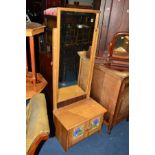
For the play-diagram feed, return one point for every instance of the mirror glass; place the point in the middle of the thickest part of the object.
(121, 46)
(76, 34)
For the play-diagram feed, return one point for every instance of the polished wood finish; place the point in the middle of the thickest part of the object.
(37, 141)
(70, 117)
(83, 70)
(75, 122)
(112, 44)
(40, 85)
(56, 51)
(33, 28)
(34, 82)
(111, 89)
(69, 92)
(114, 18)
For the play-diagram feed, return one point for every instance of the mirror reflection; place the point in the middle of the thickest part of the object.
(121, 45)
(76, 35)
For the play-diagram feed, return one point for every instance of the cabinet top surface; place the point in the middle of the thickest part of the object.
(78, 113)
(120, 74)
(33, 28)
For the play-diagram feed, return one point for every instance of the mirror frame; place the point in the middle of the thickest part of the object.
(112, 45)
(56, 52)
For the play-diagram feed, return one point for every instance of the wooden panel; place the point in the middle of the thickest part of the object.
(75, 114)
(108, 96)
(73, 139)
(96, 4)
(61, 133)
(112, 92)
(55, 55)
(115, 18)
(119, 20)
(98, 127)
(69, 92)
(73, 121)
(83, 70)
(97, 82)
(104, 29)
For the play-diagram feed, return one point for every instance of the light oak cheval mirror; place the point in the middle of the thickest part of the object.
(77, 30)
(76, 33)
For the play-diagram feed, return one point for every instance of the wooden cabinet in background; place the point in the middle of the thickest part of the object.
(110, 88)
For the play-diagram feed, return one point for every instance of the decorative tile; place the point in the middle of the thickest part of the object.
(95, 123)
(78, 132)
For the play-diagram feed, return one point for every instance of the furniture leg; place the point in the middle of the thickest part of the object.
(31, 39)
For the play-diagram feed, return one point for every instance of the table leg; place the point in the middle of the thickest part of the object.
(32, 52)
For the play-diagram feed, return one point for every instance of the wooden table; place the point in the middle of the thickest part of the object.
(35, 82)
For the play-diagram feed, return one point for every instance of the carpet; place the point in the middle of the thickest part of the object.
(117, 143)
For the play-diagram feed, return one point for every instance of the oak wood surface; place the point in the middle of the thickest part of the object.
(112, 93)
(33, 28)
(69, 92)
(79, 112)
(56, 52)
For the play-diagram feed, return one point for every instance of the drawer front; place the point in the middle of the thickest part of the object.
(95, 124)
(78, 133)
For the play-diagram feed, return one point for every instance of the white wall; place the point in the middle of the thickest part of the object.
(82, 2)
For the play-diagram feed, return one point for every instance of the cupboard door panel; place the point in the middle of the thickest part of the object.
(78, 133)
(95, 124)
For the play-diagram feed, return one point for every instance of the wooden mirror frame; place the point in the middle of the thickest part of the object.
(112, 45)
(56, 55)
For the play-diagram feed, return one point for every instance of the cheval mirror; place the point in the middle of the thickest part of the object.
(76, 34)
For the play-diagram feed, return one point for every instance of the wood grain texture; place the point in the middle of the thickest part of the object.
(33, 28)
(112, 93)
(74, 114)
(37, 141)
(119, 20)
(56, 54)
(83, 70)
(114, 18)
(79, 114)
(69, 92)
(104, 24)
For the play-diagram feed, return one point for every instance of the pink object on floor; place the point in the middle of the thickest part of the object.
(51, 12)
